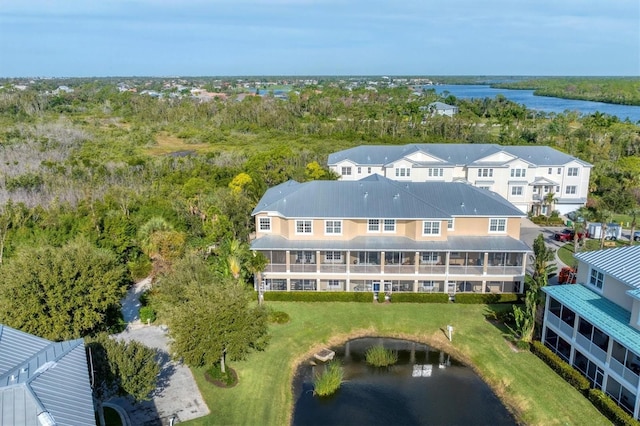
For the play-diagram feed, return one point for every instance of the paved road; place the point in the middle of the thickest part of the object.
(529, 231)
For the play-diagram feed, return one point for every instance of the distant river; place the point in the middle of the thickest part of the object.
(540, 103)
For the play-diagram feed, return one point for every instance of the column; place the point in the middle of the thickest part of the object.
(417, 263)
(381, 263)
(287, 260)
(485, 263)
(317, 261)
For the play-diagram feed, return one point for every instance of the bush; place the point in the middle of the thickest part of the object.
(486, 298)
(378, 356)
(420, 298)
(572, 376)
(147, 314)
(328, 382)
(140, 268)
(610, 409)
(215, 375)
(278, 317)
(315, 296)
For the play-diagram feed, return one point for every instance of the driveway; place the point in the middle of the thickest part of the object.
(177, 395)
(529, 231)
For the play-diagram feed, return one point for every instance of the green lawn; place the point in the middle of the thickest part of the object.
(263, 396)
(565, 253)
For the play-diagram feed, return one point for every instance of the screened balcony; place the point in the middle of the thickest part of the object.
(432, 262)
(463, 263)
(365, 262)
(332, 285)
(333, 261)
(626, 363)
(303, 285)
(505, 263)
(277, 261)
(275, 285)
(303, 261)
(399, 262)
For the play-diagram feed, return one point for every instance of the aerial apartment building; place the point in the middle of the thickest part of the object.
(595, 325)
(377, 235)
(523, 175)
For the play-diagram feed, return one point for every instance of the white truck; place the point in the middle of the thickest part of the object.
(613, 231)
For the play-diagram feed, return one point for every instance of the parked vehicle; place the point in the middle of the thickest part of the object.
(566, 235)
(573, 216)
(567, 275)
(613, 231)
(636, 236)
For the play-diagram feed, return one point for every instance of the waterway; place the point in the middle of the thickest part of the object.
(425, 387)
(540, 103)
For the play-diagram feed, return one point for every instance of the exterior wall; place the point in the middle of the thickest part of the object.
(635, 315)
(351, 228)
(612, 289)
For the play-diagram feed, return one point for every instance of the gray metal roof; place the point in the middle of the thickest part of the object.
(622, 263)
(460, 154)
(599, 311)
(379, 197)
(367, 243)
(39, 376)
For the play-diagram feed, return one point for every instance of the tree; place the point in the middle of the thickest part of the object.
(62, 293)
(549, 200)
(210, 318)
(542, 270)
(122, 368)
(603, 216)
(634, 212)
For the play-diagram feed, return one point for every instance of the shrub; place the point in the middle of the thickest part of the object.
(315, 296)
(378, 356)
(140, 268)
(420, 298)
(486, 298)
(147, 314)
(216, 376)
(572, 376)
(329, 381)
(610, 409)
(278, 317)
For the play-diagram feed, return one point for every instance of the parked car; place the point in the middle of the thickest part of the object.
(566, 235)
(613, 231)
(636, 236)
(575, 217)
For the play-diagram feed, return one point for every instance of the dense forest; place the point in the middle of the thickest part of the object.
(148, 179)
(613, 90)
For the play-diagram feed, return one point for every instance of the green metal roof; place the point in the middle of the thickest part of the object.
(599, 311)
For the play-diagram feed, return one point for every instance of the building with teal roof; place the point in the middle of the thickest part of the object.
(595, 325)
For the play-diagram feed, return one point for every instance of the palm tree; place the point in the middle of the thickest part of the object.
(604, 216)
(549, 200)
(634, 212)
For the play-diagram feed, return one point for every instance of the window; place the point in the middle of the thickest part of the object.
(485, 172)
(373, 225)
(264, 224)
(550, 171)
(436, 172)
(596, 279)
(303, 227)
(450, 224)
(333, 256)
(572, 171)
(333, 283)
(359, 170)
(559, 170)
(518, 172)
(571, 189)
(346, 171)
(497, 225)
(389, 225)
(368, 169)
(430, 227)
(333, 227)
(305, 257)
(516, 190)
(402, 172)
(488, 188)
(429, 257)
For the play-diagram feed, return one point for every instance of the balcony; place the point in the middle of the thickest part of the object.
(591, 347)
(624, 372)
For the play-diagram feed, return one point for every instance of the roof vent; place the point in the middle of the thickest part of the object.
(12, 378)
(365, 194)
(395, 197)
(474, 210)
(44, 367)
(462, 204)
(24, 369)
(46, 419)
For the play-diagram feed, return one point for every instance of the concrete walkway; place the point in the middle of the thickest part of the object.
(177, 395)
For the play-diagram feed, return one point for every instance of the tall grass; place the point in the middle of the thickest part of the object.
(329, 381)
(378, 356)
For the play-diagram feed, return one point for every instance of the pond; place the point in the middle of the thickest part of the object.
(425, 387)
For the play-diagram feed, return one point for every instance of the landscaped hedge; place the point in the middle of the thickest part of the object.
(572, 376)
(610, 409)
(419, 298)
(317, 296)
(486, 298)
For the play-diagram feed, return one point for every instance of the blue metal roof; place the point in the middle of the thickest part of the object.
(461, 154)
(379, 197)
(599, 311)
(621, 263)
(39, 376)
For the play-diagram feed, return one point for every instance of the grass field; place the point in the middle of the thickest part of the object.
(534, 393)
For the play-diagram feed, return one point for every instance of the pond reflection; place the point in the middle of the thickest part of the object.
(425, 387)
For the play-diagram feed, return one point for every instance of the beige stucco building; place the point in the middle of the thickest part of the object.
(381, 235)
(595, 325)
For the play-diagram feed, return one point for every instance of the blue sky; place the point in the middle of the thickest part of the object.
(58, 38)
